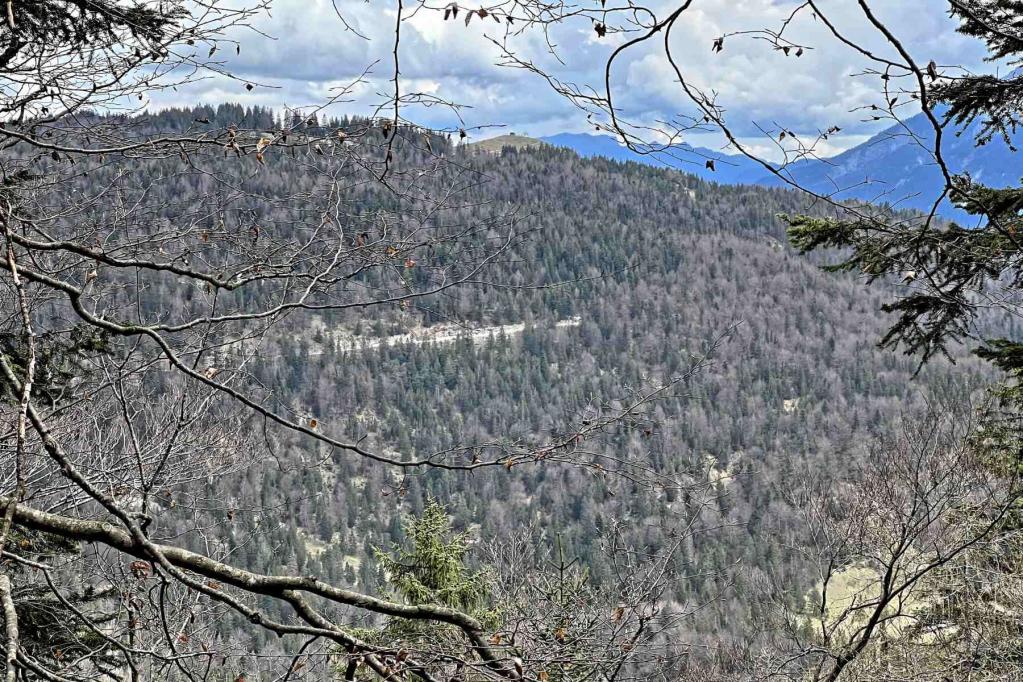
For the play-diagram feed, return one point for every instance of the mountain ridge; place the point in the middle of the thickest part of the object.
(891, 167)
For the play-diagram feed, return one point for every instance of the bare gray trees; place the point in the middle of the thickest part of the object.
(929, 502)
(132, 339)
(916, 531)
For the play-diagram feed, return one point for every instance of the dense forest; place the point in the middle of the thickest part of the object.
(650, 267)
(339, 392)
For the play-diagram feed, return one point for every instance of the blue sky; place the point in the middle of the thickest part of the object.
(306, 54)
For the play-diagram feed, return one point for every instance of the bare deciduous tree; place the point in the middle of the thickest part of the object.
(134, 323)
(929, 501)
(892, 546)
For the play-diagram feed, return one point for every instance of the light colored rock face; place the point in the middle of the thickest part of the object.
(441, 333)
(790, 405)
(723, 476)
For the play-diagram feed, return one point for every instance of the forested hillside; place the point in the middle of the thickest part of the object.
(656, 266)
(337, 388)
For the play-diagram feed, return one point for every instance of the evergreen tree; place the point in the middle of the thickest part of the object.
(952, 270)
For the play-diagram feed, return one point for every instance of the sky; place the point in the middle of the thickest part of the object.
(300, 53)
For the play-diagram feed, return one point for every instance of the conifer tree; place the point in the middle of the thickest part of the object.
(956, 273)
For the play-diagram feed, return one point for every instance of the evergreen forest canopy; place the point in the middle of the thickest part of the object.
(301, 397)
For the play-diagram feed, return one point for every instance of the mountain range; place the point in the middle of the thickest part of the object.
(893, 167)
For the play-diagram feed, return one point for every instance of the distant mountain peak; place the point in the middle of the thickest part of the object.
(893, 166)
